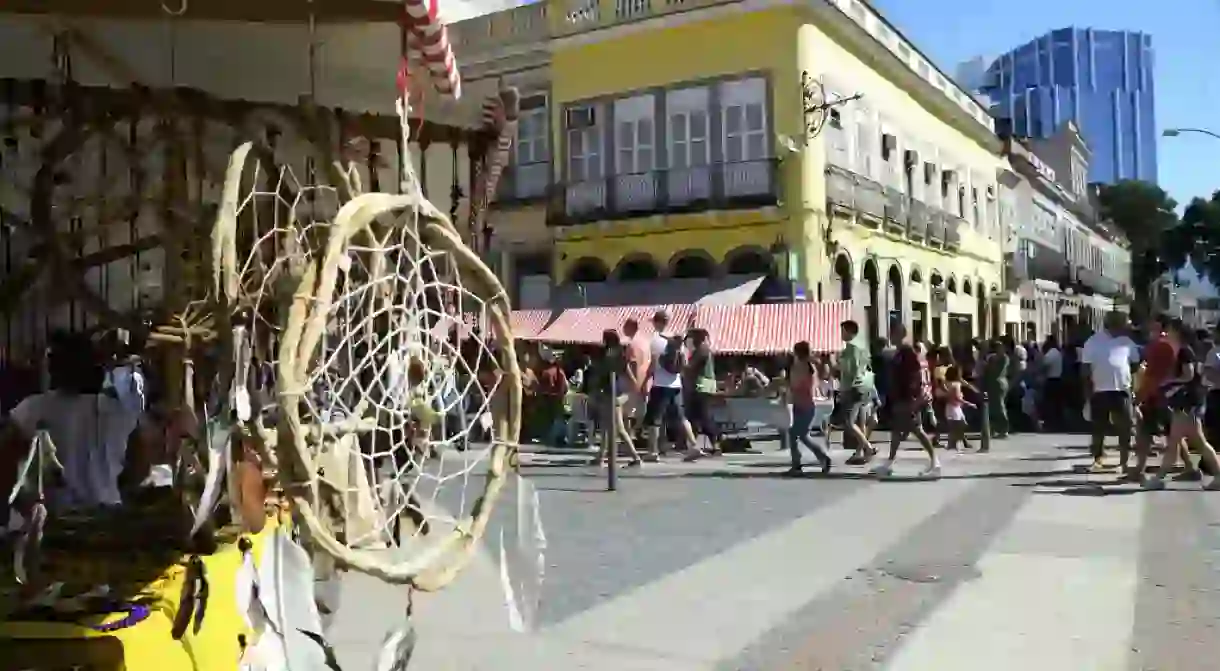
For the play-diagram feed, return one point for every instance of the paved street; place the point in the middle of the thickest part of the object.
(1012, 560)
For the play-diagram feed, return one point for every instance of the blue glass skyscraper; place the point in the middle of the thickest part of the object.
(1101, 79)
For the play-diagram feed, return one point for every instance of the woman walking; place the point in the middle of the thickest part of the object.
(955, 405)
(607, 383)
(802, 380)
(699, 388)
(1183, 392)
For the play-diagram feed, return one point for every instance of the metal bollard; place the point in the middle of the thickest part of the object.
(610, 435)
(985, 425)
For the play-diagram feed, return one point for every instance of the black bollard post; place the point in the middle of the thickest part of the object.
(609, 437)
(985, 426)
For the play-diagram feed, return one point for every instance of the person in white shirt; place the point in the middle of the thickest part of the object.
(665, 395)
(1107, 360)
(89, 425)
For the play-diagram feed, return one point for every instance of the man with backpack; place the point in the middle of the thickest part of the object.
(665, 395)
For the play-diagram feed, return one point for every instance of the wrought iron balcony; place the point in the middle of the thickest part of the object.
(849, 192)
(524, 183)
(895, 211)
(917, 228)
(735, 185)
(936, 226)
(953, 231)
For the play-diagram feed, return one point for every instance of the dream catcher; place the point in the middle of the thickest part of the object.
(356, 379)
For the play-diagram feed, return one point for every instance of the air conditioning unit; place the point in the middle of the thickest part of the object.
(577, 118)
(910, 158)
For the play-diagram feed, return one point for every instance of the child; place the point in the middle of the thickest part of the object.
(955, 404)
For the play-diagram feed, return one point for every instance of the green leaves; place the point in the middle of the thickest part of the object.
(1197, 239)
(1146, 214)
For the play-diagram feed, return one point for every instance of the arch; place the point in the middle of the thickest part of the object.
(894, 296)
(692, 263)
(843, 270)
(967, 287)
(872, 280)
(588, 269)
(936, 278)
(916, 274)
(637, 267)
(951, 285)
(749, 260)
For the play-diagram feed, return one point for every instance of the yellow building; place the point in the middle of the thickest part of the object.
(669, 142)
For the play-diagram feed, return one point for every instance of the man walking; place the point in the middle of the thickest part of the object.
(1107, 360)
(665, 395)
(910, 391)
(855, 393)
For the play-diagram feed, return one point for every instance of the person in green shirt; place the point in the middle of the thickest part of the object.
(995, 383)
(857, 393)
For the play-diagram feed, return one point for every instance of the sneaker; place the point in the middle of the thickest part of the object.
(793, 472)
(884, 470)
(1130, 476)
(826, 464)
(1188, 476)
(692, 456)
(1098, 466)
(857, 459)
(635, 463)
(931, 472)
(1155, 483)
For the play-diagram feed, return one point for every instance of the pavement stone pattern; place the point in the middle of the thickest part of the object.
(1015, 559)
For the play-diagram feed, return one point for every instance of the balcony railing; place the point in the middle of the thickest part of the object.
(917, 227)
(953, 231)
(719, 186)
(936, 227)
(895, 211)
(524, 183)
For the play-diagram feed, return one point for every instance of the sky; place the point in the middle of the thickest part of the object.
(1184, 39)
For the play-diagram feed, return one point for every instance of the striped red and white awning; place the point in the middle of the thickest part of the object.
(527, 324)
(773, 327)
(586, 325)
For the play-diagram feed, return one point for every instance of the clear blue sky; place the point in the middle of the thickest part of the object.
(1185, 37)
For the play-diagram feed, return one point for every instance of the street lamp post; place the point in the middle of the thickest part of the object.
(1175, 132)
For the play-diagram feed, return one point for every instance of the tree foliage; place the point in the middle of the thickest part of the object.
(1198, 237)
(1146, 214)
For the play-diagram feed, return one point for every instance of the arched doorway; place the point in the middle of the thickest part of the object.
(588, 269)
(986, 330)
(920, 330)
(692, 264)
(894, 297)
(936, 293)
(749, 261)
(871, 314)
(844, 275)
(639, 268)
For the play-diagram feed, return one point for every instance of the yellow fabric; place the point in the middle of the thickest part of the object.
(149, 645)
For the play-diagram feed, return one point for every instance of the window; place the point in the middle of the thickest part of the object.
(532, 144)
(634, 135)
(743, 109)
(634, 141)
(689, 128)
(585, 156)
(838, 144)
(866, 143)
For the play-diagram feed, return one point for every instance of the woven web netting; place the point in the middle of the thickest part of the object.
(377, 346)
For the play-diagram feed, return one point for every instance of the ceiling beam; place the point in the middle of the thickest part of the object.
(244, 11)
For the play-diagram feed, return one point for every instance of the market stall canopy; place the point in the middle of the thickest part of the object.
(526, 324)
(773, 327)
(586, 325)
(728, 290)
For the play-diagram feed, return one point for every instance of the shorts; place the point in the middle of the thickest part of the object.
(664, 403)
(858, 405)
(1155, 417)
(906, 416)
(1111, 411)
(634, 405)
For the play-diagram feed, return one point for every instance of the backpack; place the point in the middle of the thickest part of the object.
(671, 359)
